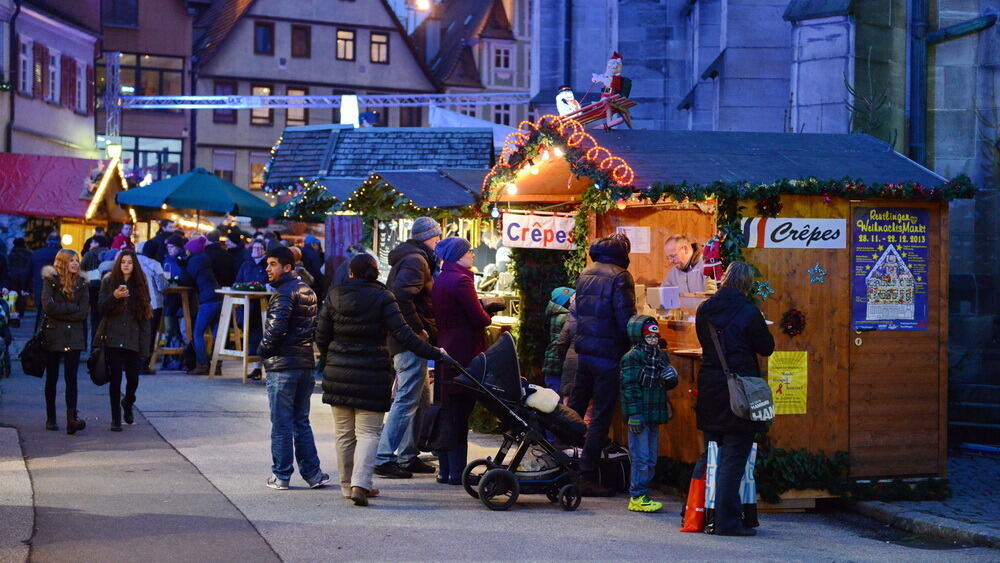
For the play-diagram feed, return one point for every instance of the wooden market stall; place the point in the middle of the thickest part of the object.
(842, 228)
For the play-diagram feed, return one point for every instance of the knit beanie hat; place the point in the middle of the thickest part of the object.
(196, 245)
(650, 327)
(561, 295)
(311, 240)
(452, 249)
(424, 228)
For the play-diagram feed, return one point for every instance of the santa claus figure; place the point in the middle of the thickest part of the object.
(612, 82)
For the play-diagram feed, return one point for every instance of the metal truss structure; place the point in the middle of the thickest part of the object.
(368, 101)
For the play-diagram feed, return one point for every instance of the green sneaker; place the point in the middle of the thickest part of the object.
(643, 503)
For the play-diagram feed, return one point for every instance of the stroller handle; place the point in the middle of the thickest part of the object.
(461, 369)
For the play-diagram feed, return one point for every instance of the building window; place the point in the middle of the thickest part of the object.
(145, 75)
(81, 87)
(261, 116)
(469, 110)
(122, 13)
(501, 114)
(223, 164)
(53, 78)
(224, 88)
(157, 158)
(380, 48)
(345, 44)
(298, 115)
(501, 58)
(410, 116)
(258, 160)
(263, 38)
(25, 78)
(301, 41)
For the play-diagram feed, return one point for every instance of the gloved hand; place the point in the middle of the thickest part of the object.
(635, 425)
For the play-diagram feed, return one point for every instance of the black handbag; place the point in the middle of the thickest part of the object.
(431, 421)
(97, 363)
(33, 356)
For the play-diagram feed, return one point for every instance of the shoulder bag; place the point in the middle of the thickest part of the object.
(749, 397)
(97, 363)
(33, 355)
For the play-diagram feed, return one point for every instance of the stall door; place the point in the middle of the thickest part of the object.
(898, 377)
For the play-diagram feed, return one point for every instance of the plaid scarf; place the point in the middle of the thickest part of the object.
(655, 372)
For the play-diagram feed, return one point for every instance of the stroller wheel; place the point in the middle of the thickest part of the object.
(569, 497)
(473, 473)
(498, 489)
(552, 495)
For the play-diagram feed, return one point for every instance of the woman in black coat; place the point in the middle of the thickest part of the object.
(743, 335)
(125, 310)
(358, 374)
(65, 303)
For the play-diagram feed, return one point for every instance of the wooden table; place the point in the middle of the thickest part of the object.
(231, 300)
(159, 349)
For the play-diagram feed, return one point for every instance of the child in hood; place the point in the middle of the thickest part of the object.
(557, 312)
(646, 377)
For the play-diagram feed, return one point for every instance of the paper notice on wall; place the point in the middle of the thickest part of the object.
(638, 236)
(788, 376)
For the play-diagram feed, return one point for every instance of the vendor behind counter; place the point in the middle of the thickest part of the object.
(688, 268)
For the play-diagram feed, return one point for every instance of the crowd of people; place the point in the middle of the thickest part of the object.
(373, 337)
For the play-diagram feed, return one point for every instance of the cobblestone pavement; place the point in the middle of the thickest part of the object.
(975, 485)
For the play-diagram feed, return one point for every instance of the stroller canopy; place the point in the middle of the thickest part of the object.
(498, 369)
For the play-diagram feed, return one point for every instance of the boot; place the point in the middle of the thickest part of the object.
(50, 423)
(200, 369)
(73, 422)
(127, 412)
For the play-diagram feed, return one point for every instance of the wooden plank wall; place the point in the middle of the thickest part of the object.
(824, 427)
(898, 388)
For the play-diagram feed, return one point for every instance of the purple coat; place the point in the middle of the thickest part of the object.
(461, 319)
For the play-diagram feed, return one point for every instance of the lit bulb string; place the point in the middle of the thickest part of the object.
(573, 135)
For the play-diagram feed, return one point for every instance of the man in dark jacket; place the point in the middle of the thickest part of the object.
(287, 352)
(312, 260)
(222, 261)
(199, 275)
(411, 280)
(44, 256)
(156, 247)
(100, 236)
(605, 301)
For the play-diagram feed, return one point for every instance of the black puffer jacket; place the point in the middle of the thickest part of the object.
(290, 326)
(744, 336)
(605, 301)
(64, 329)
(119, 327)
(411, 280)
(351, 335)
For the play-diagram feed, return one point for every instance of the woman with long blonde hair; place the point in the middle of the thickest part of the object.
(65, 305)
(124, 303)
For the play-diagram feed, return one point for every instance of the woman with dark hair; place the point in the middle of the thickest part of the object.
(743, 335)
(65, 299)
(461, 321)
(357, 377)
(125, 308)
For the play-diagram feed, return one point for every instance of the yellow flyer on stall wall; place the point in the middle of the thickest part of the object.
(788, 376)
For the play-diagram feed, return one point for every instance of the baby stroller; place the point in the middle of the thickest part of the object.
(535, 466)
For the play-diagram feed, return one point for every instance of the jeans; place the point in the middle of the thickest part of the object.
(454, 452)
(597, 379)
(208, 316)
(120, 360)
(71, 361)
(288, 394)
(400, 433)
(357, 433)
(734, 448)
(644, 448)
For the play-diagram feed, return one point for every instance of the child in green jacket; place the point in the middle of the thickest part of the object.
(646, 377)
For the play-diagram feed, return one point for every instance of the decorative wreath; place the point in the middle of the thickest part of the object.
(793, 322)
(769, 206)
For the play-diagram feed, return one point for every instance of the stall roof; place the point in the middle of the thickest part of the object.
(340, 151)
(45, 186)
(433, 188)
(705, 157)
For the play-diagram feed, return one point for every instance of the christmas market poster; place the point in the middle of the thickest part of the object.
(890, 269)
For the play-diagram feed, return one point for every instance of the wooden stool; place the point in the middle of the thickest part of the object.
(160, 349)
(227, 320)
